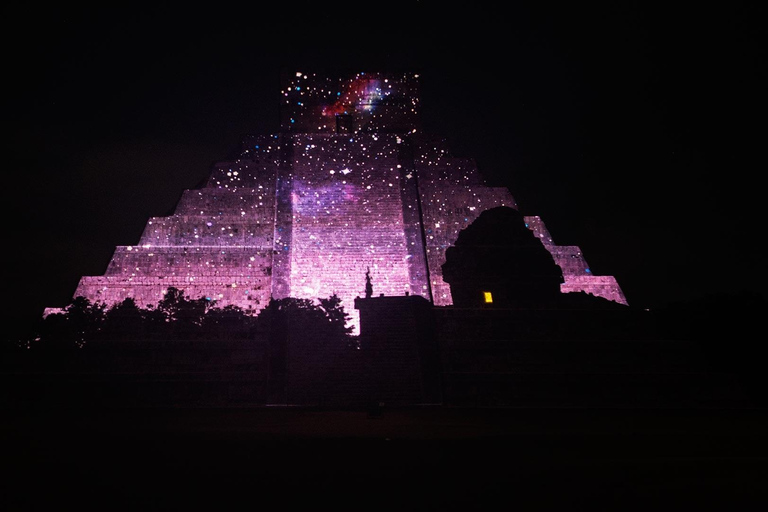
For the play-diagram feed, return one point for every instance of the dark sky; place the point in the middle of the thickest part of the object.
(634, 131)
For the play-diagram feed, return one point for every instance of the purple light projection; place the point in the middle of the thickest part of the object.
(349, 184)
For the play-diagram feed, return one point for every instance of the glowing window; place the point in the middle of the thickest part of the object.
(488, 297)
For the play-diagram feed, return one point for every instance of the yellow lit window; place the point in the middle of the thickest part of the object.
(487, 297)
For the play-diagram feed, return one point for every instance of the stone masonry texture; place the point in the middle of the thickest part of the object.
(349, 185)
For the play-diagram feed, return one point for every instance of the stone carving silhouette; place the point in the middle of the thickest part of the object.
(368, 284)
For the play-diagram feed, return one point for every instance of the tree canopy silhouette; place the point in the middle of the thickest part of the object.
(178, 317)
(497, 253)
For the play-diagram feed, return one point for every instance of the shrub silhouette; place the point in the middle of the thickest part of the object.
(177, 317)
(497, 253)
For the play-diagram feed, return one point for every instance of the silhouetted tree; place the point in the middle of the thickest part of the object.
(54, 333)
(155, 323)
(301, 314)
(497, 253)
(124, 321)
(227, 323)
(77, 325)
(337, 317)
(304, 319)
(305, 341)
(183, 316)
(85, 319)
(177, 317)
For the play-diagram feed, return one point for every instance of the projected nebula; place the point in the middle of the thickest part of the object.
(363, 102)
(360, 94)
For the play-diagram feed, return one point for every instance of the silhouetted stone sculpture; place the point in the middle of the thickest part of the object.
(498, 261)
(368, 284)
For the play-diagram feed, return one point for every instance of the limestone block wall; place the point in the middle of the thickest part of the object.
(306, 215)
(347, 217)
(600, 286)
(217, 244)
(247, 293)
(576, 272)
(189, 262)
(452, 197)
(350, 184)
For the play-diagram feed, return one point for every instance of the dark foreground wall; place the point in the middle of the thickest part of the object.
(541, 357)
(409, 353)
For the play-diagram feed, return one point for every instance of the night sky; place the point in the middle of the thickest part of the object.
(635, 132)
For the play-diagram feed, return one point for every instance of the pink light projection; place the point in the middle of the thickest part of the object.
(307, 212)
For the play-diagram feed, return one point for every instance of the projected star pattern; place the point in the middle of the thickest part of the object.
(350, 184)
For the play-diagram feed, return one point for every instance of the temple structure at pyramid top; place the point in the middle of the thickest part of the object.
(349, 185)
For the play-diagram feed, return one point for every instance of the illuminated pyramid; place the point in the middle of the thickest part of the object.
(349, 184)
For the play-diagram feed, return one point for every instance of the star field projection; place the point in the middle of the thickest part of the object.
(630, 131)
(349, 186)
